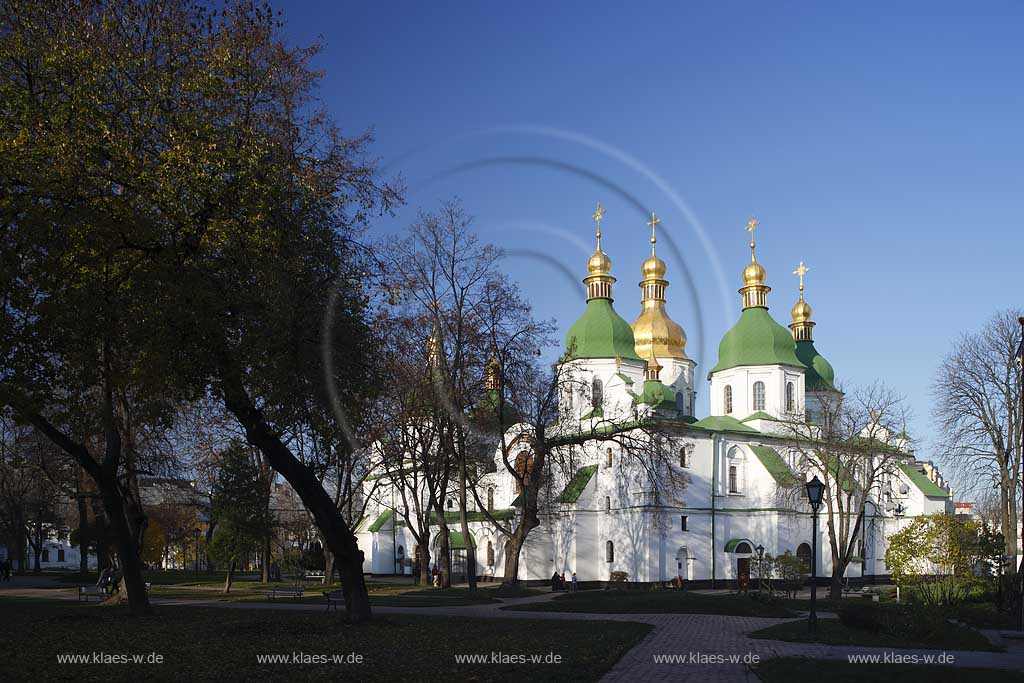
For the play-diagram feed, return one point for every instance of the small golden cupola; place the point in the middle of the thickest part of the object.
(599, 278)
(654, 329)
(754, 289)
(801, 324)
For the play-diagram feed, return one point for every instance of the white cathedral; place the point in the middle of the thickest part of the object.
(736, 462)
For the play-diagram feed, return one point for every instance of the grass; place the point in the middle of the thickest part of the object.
(391, 595)
(832, 632)
(657, 602)
(217, 644)
(789, 669)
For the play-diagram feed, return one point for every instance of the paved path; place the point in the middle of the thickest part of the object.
(696, 640)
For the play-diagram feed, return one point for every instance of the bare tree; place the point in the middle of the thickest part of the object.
(855, 449)
(977, 405)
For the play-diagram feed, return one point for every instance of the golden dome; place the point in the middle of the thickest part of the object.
(653, 268)
(654, 331)
(754, 274)
(599, 263)
(801, 311)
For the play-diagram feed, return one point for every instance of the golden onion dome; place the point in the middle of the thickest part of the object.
(801, 311)
(653, 268)
(599, 263)
(654, 331)
(754, 274)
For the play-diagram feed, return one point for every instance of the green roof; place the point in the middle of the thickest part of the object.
(656, 393)
(775, 465)
(922, 482)
(457, 540)
(818, 373)
(579, 481)
(600, 333)
(384, 518)
(452, 516)
(723, 423)
(730, 546)
(759, 415)
(625, 378)
(756, 339)
(592, 413)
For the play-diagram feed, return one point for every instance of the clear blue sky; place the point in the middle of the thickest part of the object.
(882, 145)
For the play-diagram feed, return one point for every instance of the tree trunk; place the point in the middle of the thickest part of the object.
(265, 561)
(513, 549)
(336, 533)
(464, 519)
(125, 543)
(37, 547)
(230, 577)
(328, 566)
(444, 552)
(210, 565)
(83, 535)
(423, 555)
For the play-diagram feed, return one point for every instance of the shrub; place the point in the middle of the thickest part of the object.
(619, 579)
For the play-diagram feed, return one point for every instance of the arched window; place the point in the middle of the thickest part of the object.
(596, 393)
(790, 397)
(735, 470)
(683, 460)
(490, 498)
(400, 553)
(607, 503)
(743, 548)
(758, 396)
(608, 461)
(449, 503)
(609, 552)
(803, 551)
(727, 395)
(490, 554)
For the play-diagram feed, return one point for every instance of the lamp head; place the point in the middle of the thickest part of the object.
(815, 492)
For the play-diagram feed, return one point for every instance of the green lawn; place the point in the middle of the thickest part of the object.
(657, 601)
(832, 632)
(392, 595)
(790, 669)
(218, 644)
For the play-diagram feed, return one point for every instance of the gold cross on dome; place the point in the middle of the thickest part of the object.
(653, 222)
(751, 227)
(800, 272)
(598, 215)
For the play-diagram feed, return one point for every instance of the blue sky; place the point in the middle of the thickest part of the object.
(881, 145)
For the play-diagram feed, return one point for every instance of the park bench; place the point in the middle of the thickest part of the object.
(314, 576)
(334, 598)
(287, 591)
(86, 592)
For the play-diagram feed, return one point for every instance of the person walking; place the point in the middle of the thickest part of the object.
(574, 585)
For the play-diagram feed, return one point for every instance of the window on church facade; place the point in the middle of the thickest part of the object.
(734, 486)
(790, 397)
(490, 498)
(596, 393)
(46, 554)
(682, 522)
(450, 504)
(60, 554)
(609, 552)
(683, 460)
(803, 551)
(728, 399)
(608, 458)
(758, 396)
(607, 503)
(490, 554)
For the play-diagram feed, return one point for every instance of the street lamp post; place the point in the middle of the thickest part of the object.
(815, 491)
(195, 534)
(760, 565)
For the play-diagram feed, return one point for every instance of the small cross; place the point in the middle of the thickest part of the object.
(597, 218)
(751, 227)
(800, 271)
(653, 222)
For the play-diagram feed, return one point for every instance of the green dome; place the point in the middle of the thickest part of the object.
(601, 333)
(818, 373)
(756, 340)
(656, 393)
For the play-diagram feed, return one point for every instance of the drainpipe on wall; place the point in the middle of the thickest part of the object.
(714, 482)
